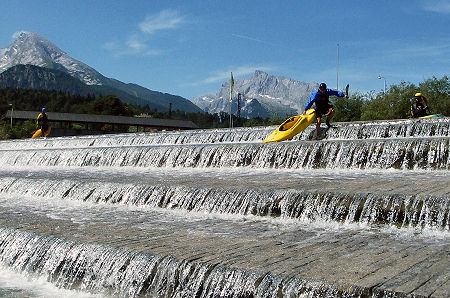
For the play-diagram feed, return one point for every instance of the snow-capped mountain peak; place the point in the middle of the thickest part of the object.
(31, 48)
(263, 95)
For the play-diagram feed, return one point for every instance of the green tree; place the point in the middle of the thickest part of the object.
(437, 91)
(349, 109)
(18, 131)
(395, 104)
(109, 105)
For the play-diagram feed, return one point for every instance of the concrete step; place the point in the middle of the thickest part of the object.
(340, 258)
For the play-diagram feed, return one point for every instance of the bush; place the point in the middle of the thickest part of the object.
(18, 131)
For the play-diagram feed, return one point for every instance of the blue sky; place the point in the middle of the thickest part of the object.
(189, 48)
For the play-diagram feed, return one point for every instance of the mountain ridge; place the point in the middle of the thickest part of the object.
(31, 48)
(35, 77)
(263, 95)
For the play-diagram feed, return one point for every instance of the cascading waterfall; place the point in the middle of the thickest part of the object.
(345, 131)
(119, 272)
(401, 211)
(264, 220)
(430, 153)
(93, 267)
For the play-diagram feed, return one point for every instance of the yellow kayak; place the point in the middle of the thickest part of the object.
(292, 126)
(38, 133)
(434, 116)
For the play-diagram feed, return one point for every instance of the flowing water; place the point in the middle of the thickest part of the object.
(364, 212)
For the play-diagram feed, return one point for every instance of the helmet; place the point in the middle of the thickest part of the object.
(418, 94)
(43, 110)
(323, 86)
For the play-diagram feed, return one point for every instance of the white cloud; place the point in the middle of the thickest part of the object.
(248, 38)
(442, 6)
(421, 51)
(131, 47)
(164, 20)
(138, 42)
(224, 75)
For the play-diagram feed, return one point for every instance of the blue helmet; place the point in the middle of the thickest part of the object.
(43, 110)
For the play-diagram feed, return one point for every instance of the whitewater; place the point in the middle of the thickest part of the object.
(216, 213)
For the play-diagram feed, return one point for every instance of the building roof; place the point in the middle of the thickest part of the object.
(105, 119)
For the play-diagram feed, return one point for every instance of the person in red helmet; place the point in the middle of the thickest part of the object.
(323, 107)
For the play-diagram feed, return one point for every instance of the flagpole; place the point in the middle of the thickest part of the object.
(231, 98)
(337, 69)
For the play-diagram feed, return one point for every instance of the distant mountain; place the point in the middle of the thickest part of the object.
(249, 107)
(263, 95)
(34, 77)
(31, 48)
(40, 78)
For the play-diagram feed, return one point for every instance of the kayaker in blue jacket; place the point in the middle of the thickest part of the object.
(323, 106)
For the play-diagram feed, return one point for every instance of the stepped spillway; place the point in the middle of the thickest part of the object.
(365, 212)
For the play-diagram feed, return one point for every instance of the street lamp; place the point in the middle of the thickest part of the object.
(380, 77)
(12, 110)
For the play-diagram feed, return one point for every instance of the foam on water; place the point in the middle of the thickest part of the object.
(85, 213)
(127, 214)
(18, 284)
(353, 130)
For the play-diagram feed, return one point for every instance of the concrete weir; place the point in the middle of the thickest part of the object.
(365, 212)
